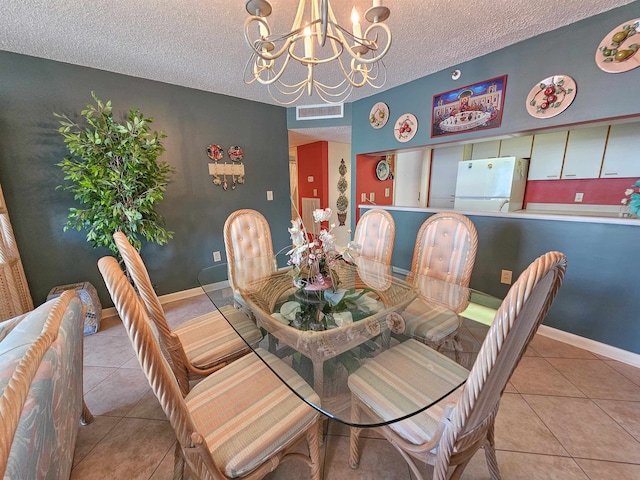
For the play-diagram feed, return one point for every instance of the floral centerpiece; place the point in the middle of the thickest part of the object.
(319, 304)
(631, 200)
(311, 257)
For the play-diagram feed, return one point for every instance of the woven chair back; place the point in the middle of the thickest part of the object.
(515, 324)
(156, 368)
(445, 248)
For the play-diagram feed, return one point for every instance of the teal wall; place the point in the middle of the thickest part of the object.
(31, 89)
(569, 51)
(599, 297)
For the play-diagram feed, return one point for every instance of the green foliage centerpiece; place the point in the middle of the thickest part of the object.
(113, 171)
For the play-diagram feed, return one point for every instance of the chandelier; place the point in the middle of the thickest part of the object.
(316, 39)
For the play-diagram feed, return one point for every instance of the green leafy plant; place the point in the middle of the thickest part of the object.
(113, 171)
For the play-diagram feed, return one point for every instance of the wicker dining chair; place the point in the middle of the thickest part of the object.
(445, 249)
(247, 236)
(200, 345)
(239, 422)
(449, 433)
(375, 235)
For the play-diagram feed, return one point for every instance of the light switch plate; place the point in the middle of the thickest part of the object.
(578, 197)
(269, 195)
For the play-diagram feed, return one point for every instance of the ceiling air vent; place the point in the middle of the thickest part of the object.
(319, 112)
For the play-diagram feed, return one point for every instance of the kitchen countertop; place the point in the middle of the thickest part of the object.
(560, 216)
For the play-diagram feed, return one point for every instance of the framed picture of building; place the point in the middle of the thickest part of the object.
(474, 107)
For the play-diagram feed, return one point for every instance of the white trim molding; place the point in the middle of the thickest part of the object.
(593, 346)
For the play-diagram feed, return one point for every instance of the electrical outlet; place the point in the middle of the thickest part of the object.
(315, 192)
(505, 276)
(578, 197)
(269, 195)
(216, 256)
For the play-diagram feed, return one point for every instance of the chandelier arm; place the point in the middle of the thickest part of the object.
(282, 102)
(276, 76)
(316, 61)
(372, 45)
(256, 46)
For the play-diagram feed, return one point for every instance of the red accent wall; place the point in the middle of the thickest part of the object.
(368, 182)
(597, 191)
(313, 161)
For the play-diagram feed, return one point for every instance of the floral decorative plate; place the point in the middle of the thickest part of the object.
(215, 152)
(379, 115)
(551, 96)
(618, 51)
(235, 153)
(406, 127)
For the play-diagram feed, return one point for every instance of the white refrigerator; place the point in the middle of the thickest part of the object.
(491, 185)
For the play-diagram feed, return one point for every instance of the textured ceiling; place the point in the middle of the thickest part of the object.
(200, 43)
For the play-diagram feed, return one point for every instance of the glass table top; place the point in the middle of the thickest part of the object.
(327, 332)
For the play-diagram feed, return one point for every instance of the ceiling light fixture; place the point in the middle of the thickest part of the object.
(317, 40)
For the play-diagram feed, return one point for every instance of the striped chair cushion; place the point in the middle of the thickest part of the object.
(429, 322)
(374, 235)
(246, 414)
(209, 339)
(445, 248)
(387, 385)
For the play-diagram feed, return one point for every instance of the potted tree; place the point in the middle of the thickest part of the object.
(114, 173)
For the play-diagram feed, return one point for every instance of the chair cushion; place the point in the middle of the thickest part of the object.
(209, 339)
(246, 414)
(429, 322)
(387, 385)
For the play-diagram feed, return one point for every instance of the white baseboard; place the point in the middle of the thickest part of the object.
(593, 346)
(171, 297)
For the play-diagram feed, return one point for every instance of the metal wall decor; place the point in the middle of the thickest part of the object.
(343, 202)
(235, 170)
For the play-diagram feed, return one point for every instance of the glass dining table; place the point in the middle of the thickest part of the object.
(368, 307)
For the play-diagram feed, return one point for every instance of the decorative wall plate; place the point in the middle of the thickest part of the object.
(406, 127)
(235, 153)
(215, 152)
(379, 115)
(382, 170)
(551, 96)
(618, 51)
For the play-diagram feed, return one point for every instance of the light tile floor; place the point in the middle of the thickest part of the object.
(566, 414)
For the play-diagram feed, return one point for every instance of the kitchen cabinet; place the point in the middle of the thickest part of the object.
(584, 154)
(623, 151)
(482, 150)
(547, 156)
(444, 171)
(519, 147)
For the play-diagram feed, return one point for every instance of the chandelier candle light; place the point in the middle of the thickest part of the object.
(314, 39)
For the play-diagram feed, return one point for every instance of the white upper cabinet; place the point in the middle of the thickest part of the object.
(585, 150)
(547, 156)
(485, 150)
(519, 147)
(622, 156)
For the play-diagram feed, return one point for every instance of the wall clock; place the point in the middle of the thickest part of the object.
(382, 170)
